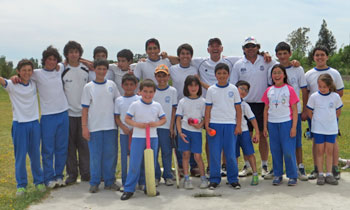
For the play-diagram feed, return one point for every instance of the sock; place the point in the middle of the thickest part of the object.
(203, 178)
(320, 173)
(264, 163)
(328, 174)
(301, 165)
(247, 163)
(315, 168)
(187, 177)
(255, 174)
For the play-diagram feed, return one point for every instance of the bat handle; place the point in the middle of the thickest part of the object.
(148, 140)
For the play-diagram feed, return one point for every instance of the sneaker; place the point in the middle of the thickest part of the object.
(292, 182)
(213, 185)
(277, 180)
(336, 172)
(157, 182)
(195, 172)
(208, 170)
(93, 189)
(204, 184)
(314, 174)
(301, 174)
(188, 184)
(114, 187)
(223, 170)
(269, 175)
(140, 187)
(246, 171)
(70, 180)
(121, 189)
(52, 184)
(169, 182)
(320, 180)
(21, 191)
(331, 180)
(41, 187)
(126, 196)
(264, 171)
(60, 182)
(255, 180)
(236, 185)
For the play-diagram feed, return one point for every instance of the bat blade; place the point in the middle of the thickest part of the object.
(176, 169)
(150, 172)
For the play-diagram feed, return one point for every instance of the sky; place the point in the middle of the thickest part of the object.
(28, 27)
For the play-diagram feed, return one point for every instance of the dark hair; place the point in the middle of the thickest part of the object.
(214, 40)
(24, 62)
(220, 66)
(125, 53)
(285, 80)
(101, 62)
(154, 41)
(322, 48)
(328, 80)
(243, 82)
(185, 47)
(50, 51)
(148, 83)
(100, 49)
(282, 46)
(129, 77)
(72, 45)
(188, 81)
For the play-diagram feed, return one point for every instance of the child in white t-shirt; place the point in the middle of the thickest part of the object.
(324, 109)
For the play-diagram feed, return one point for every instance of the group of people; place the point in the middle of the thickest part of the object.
(237, 100)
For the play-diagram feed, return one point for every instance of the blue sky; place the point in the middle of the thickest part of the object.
(28, 27)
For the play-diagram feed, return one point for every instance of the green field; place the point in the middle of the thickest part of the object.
(8, 199)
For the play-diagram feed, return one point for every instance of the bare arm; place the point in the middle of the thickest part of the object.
(84, 123)
(309, 113)
(173, 59)
(338, 112)
(256, 137)
(266, 109)
(305, 96)
(179, 130)
(160, 122)
(172, 122)
(238, 129)
(204, 85)
(340, 92)
(121, 125)
(131, 122)
(293, 130)
(2, 81)
(207, 118)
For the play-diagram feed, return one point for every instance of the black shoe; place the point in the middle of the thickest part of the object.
(71, 180)
(236, 185)
(157, 192)
(126, 196)
(213, 185)
(314, 174)
(336, 172)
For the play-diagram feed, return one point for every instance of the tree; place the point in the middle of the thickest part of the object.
(137, 57)
(35, 62)
(6, 68)
(299, 42)
(326, 38)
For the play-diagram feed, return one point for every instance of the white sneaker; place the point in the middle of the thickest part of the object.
(188, 185)
(264, 170)
(269, 175)
(246, 171)
(301, 174)
(52, 184)
(60, 183)
(169, 182)
(204, 184)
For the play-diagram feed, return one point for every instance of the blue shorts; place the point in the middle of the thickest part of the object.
(321, 138)
(194, 139)
(245, 142)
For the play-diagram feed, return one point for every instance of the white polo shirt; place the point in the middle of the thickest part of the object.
(51, 93)
(178, 75)
(223, 100)
(74, 79)
(255, 73)
(246, 111)
(144, 113)
(313, 74)
(168, 99)
(145, 70)
(324, 107)
(191, 108)
(121, 106)
(99, 98)
(24, 101)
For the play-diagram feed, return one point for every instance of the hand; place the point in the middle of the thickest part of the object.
(198, 126)
(304, 116)
(125, 129)
(130, 71)
(238, 130)
(141, 125)
(15, 79)
(86, 133)
(267, 57)
(293, 132)
(256, 138)
(153, 124)
(164, 55)
(295, 63)
(183, 137)
(266, 134)
(172, 133)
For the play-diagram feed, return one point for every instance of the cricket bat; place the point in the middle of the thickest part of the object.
(175, 163)
(149, 166)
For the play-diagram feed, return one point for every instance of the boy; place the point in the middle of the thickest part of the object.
(223, 115)
(244, 140)
(99, 128)
(100, 52)
(25, 126)
(142, 113)
(296, 79)
(74, 78)
(122, 103)
(167, 97)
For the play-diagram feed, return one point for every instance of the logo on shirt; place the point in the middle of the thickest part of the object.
(293, 80)
(230, 94)
(262, 68)
(167, 99)
(243, 70)
(110, 89)
(206, 70)
(68, 80)
(331, 105)
(284, 99)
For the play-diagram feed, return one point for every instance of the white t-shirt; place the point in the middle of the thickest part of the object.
(144, 113)
(223, 100)
(324, 118)
(99, 98)
(191, 108)
(121, 106)
(280, 101)
(168, 99)
(178, 75)
(24, 101)
(118, 75)
(74, 79)
(313, 74)
(50, 87)
(145, 70)
(246, 111)
(255, 73)
(206, 69)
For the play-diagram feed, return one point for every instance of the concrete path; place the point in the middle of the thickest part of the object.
(306, 195)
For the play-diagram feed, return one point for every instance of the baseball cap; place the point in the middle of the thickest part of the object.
(250, 40)
(162, 68)
(214, 40)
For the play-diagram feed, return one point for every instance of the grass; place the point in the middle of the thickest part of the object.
(8, 198)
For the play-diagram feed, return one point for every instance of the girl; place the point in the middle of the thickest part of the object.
(189, 123)
(324, 108)
(280, 121)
